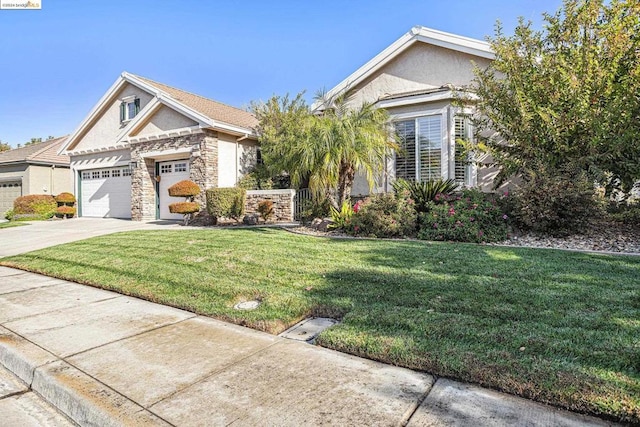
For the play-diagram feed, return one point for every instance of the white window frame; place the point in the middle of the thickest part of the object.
(444, 135)
(128, 101)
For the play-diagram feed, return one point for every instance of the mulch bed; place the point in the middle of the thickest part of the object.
(598, 236)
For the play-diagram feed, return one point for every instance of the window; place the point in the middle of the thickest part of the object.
(180, 167)
(105, 174)
(115, 173)
(95, 175)
(165, 168)
(126, 172)
(420, 157)
(86, 175)
(259, 160)
(129, 108)
(462, 131)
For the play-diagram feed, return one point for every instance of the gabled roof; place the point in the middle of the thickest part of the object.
(40, 153)
(207, 112)
(418, 33)
(210, 108)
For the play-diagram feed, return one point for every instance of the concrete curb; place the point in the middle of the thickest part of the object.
(78, 396)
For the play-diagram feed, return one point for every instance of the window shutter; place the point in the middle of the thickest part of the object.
(430, 147)
(461, 130)
(406, 157)
(123, 106)
(137, 104)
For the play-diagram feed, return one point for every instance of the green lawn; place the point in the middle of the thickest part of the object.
(554, 326)
(11, 224)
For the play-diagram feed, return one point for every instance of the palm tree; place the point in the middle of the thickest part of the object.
(348, 140)
(325, 148)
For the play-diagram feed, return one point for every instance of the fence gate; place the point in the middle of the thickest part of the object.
(301, 202)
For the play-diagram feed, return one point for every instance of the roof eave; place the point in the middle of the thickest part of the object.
(434, 37)
(93, 113)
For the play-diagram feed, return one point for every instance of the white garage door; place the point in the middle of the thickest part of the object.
(106, 193)
(170, 173)
(9, 191)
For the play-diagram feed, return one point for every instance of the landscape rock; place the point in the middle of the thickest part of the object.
(250, 219)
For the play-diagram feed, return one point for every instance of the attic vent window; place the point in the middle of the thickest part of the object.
(129, 107)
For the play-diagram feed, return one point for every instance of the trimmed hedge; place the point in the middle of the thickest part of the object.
(40, 206)
(66, 211)
(226, 203)
(66, 198)
(184, 208)
(184, 188)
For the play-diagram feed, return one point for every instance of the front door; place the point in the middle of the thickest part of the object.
(170, 173)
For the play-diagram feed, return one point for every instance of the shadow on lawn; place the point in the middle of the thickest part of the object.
(554, 326)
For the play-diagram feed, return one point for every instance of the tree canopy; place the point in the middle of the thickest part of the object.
(324, 150)
(566, 95)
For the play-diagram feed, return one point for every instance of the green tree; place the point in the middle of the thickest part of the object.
(33, 141)
(566, 95)
(325, 149)
(4, 146)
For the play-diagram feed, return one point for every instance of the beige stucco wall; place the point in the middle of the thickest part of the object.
(234, 159)
(166, 119)
(38, 179)
(420, 67)
(47, 180)
(13, 171)
(104, 131)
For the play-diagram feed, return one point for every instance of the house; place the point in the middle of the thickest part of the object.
(143, 136)
(416, 79)
(33, 169)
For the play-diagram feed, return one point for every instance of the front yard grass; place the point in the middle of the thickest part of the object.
(555, 326)
(11, 224)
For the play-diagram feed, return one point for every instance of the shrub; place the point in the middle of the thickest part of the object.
(265, 208)
(472, 217)
(36, 206)
(184, 208)
(314, 208)
(424, 192)
(624, 213)
(184, 188)
(64, 211)
(226, 203)
(8, 215)
(66, 198)
(341, 218)
(383, 215)
(557, 203)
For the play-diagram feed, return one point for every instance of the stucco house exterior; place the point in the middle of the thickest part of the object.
(416, 79)
(143, 136)
(33, 169)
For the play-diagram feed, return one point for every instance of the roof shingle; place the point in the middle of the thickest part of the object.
(210, 108)
(42, 152)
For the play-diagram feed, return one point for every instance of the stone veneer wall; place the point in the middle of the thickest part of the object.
(282, 202)
(203, 164)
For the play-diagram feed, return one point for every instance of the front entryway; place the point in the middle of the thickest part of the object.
(170, 173)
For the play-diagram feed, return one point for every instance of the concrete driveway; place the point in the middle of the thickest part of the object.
(42, 234)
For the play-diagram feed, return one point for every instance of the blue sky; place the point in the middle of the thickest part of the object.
(57, 62)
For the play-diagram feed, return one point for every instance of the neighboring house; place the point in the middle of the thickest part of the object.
(416, 79)
(144, 136)
(33, 169)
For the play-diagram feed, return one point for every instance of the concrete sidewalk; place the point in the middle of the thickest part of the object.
(105, 359)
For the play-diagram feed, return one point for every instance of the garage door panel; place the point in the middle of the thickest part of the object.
(9, 191)
(106, 193)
